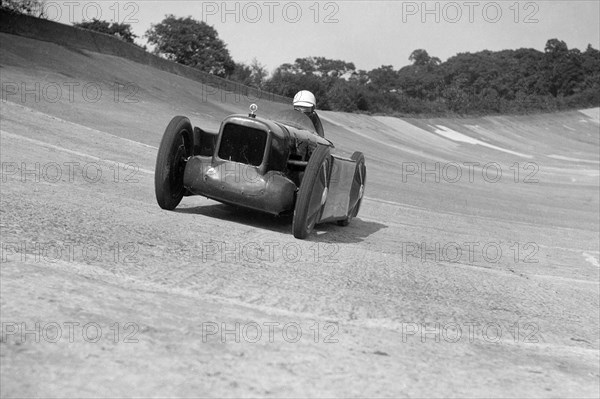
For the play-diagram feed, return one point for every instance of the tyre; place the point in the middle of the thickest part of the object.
(312, 193)
(358, 186)
(175, 148)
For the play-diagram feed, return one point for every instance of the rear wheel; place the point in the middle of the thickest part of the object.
(358, 186)
(175, 148)
(313, 193)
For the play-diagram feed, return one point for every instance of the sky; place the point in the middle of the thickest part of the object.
(368, 33)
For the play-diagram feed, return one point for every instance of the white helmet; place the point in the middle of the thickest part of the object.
(304, 98)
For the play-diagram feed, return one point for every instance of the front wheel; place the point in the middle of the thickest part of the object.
(312, 193)
(175, 148)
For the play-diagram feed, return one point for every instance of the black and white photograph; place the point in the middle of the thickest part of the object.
(299, 199)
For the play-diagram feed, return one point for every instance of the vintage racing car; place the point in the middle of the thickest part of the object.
(279, 166)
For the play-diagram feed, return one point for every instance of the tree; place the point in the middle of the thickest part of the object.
(316, 74)
(486, 82)
(347, 96)
(319, 66)
(591, 68)
(258, 73)
(360, 77)
(563, 68)
(249, 75)
(122, 31)
(384, 78)
(556, 47)
(287, 84)
(29, 7)
(334, 68)
(420, 57)
(242, 73)
(193, 43)
(95, 25)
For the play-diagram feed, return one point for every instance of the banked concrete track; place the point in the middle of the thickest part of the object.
(453, 281)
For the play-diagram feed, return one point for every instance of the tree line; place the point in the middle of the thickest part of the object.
(485, 82)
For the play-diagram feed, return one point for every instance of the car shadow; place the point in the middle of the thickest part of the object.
(355, 232)
(248, 217)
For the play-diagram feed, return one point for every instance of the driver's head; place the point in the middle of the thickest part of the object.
(305, 101)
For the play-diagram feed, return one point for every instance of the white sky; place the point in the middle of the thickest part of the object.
(368, 33)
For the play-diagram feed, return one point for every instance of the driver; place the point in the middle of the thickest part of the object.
(304, 101)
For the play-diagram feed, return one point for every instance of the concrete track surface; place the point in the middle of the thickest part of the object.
(472, 269)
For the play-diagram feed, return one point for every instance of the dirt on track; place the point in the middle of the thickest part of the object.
(470, 286)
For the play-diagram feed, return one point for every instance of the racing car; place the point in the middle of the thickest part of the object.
(278, 165)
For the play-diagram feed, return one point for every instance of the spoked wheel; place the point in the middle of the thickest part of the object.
(358, 187)
(313, 192)
(176, 146)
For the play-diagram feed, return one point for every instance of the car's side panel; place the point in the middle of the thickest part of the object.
(338, 201)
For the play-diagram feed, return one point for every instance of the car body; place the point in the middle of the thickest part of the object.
(275, 165)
